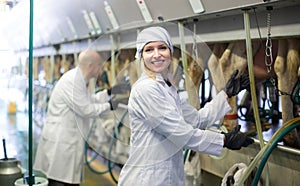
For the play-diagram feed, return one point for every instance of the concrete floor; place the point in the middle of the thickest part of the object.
(14, 129)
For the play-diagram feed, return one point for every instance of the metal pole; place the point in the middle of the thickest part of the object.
(253, 91)
(112, 64)
(184, 60)
(30, 93)
(51, 70)
(251, 76)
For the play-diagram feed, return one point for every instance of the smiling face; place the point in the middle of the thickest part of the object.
(157, 57)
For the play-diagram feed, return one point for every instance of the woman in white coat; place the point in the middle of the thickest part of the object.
(162, 125)
(60, 152)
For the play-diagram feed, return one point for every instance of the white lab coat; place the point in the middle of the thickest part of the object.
(161, 127)
(61, 147)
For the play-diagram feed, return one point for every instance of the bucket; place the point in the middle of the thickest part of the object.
(39, 181)
(9, 171)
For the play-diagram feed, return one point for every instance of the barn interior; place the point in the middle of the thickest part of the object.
(41, 40)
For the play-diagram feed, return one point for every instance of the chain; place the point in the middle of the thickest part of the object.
(268, 51)
(277, 91)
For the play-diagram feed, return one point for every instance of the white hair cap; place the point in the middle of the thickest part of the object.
(149, 35)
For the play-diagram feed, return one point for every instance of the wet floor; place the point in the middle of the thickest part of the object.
(14, 126)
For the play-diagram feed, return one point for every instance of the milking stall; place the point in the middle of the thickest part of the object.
(54, 133)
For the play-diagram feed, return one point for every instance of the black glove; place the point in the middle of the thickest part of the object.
(234, 86)
(235, 140)
(119, 89)
(114, 103)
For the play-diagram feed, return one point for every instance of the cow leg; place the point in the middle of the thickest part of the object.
(233, 58)
(196, 74)
(221, 67)
(214, 67)
(286, 68)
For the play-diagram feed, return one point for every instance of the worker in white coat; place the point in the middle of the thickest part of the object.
(162, 125)
(60, 152)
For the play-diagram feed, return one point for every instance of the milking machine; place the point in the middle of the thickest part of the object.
(295, 95)
(257, 165)
(113, 126)
(268, 109)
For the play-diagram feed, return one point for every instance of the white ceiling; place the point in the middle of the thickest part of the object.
(52, 18)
